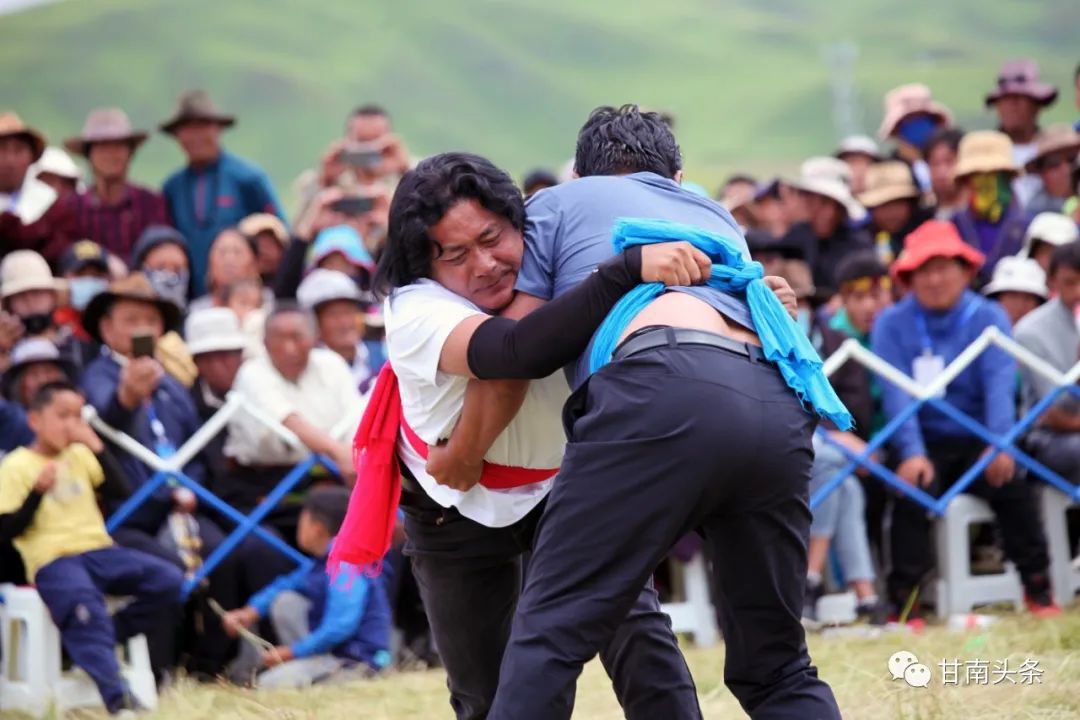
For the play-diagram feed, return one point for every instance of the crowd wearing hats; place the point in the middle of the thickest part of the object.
(159, 302)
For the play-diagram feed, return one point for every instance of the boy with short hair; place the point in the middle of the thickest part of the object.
(48, 507)
(323, 625)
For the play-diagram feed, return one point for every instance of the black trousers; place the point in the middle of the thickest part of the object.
(1014, 504)
(470, 577)
(660, 443)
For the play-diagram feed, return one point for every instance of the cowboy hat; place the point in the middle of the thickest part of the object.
(984, 151)
(24, 270)
(134, 287)
(1021, 77)
(888, 181)
(1056, 138)
(934, 239)
(11, 125)
(831, 178)
(908, 100)
(31, 351)
(105, 125)
(195, 105)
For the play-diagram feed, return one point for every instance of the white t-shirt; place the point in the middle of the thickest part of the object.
(419, 318)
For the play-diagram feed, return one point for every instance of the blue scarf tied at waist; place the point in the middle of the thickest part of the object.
(782, 342)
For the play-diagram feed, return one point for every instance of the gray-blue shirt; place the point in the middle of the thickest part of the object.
(568, 233)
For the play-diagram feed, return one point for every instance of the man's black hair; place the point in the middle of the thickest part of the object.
(423, 196)
(862, 264)
(620, 141)
(45, 394)
(283, 306)
(1065, 256)
(739, 178)
(950, 137)
(538, 179)
(328, 505)
(369, 110)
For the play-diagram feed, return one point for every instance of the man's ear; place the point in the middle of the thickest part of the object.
(678, 176)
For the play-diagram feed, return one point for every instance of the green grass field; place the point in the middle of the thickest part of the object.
(747, 79)
(855, 668)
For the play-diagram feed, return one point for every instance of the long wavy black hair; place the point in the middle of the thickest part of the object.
(422, 199)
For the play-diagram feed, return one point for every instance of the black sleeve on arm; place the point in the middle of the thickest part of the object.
(290, 270)
(116, 485)
(556, 333)
(14, 524)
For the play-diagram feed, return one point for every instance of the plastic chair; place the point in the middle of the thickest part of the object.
(1063, 576)
(31, 680)
(694, 615)
(958, 591)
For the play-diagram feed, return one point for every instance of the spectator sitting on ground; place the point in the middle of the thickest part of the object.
(941, 151)
(85, 267)
(1046, 232)
(113, 212)
(310, 391)
(56, 169)
(270, 238)
(892, 199)
(340, 311)
(826, 237)
(240, 188)
(920, 336)
(48, 505)
(1052, 332)
(1018, 286)
(859, 152)
(993, 222)
(838, 522)
(1018, 98)
(35, 362)
(1054, 162)
(323, 624)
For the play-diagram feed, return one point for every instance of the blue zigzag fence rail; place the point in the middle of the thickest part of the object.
(170, 470)
(923, 395)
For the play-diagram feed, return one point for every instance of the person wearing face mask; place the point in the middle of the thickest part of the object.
(85, 267)
(911, 118)
(993, 221)
(30, 298)
(161, 253)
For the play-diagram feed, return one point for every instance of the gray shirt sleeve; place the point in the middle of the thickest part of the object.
(543, 221)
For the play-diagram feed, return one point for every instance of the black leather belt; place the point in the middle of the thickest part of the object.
(652, 337)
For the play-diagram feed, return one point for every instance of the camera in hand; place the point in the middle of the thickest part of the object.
(353, 205)
(142, 346)
(367, 158)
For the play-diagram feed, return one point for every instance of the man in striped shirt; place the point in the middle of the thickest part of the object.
(113, 212)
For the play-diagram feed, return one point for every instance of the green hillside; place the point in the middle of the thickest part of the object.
(747, 79)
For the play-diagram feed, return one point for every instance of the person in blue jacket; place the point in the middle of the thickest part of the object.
(323, 625)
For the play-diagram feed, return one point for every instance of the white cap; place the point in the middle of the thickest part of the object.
(1051, 228)
(322, 286)
(858, 145)
(56, 161)
(213, 329)
(1016, 274)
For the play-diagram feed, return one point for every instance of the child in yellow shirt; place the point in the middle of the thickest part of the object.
(48, 507)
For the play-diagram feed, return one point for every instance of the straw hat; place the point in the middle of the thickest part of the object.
(24, 270)
(195, 105)
(11, 125)
(1056, 138)
(934, 239)
(105, 125)
(985, 151)
(134, 287)
(907, 100)
(888, 181)
(831, 178)
(1021, 77)
(252, 225)
(213, 329)
(1016, 274)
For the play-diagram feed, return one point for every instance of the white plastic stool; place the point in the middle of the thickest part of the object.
(958, 591)
(31, 652)
(695, 614)
(31, 679)
(1063, 576)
